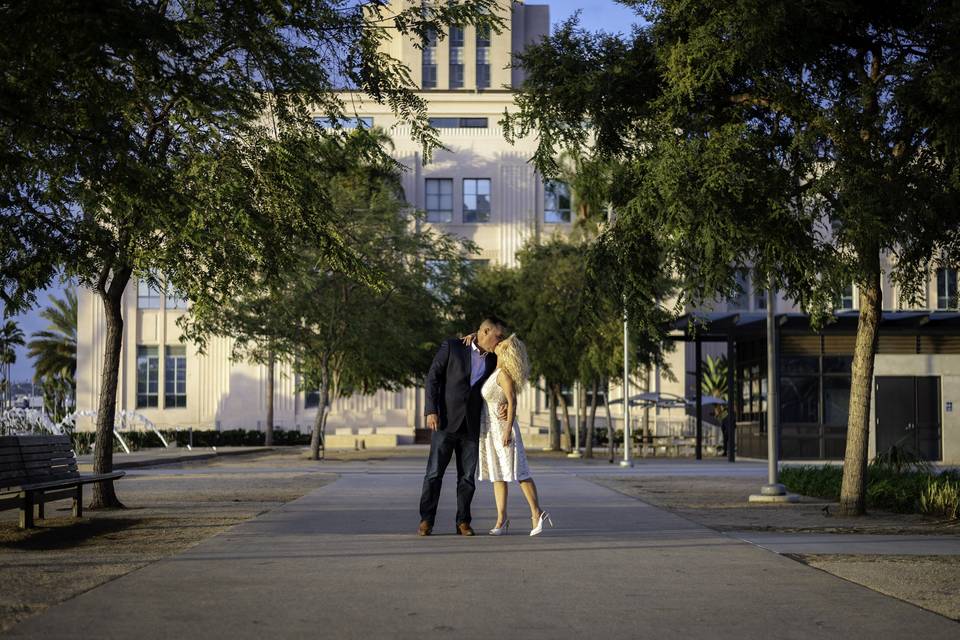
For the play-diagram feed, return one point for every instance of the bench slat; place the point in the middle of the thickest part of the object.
(28, 440)
(41, 455)
(45, 448)
(72, 482)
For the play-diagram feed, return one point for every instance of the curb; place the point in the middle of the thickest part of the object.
(154, 462)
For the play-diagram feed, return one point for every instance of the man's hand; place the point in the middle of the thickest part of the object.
(433, 421)
(502, 411)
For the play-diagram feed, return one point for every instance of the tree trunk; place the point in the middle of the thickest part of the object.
(271, 368)
(646, 436)
(610, 431)
(582, 418)
(568, 446)
(104, 495)
(554, 431)
(319, 424)
(853, 490)
(591, 426)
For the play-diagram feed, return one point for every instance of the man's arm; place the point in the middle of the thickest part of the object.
(436, 375)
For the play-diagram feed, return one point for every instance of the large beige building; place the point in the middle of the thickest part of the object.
(479, 187)
(485, 189)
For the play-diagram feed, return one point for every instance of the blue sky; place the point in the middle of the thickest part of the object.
(600, 15)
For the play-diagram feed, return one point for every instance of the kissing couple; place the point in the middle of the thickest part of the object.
(471, 408)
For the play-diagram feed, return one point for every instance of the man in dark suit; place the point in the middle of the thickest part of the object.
(453, 403)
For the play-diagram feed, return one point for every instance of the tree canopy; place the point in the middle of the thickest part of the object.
(805, 140)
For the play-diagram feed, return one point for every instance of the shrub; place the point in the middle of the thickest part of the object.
(887, 488)
(941, 497)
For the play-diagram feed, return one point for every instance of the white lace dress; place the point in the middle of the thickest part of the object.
(498, 462)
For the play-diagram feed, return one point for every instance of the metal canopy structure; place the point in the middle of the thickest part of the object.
(733, 327)
(718, 326)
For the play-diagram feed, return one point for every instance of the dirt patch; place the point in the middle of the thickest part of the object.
(931, 582)
(168, 509)
(721, 504)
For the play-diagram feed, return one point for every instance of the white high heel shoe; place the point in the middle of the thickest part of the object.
(544, 517)
(500, 531)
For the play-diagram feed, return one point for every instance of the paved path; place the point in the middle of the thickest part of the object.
(342, 562)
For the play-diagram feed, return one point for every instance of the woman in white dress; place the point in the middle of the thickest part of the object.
(502, 456)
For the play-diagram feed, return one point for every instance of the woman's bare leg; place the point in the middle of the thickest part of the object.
(500, 495)
(530, 493)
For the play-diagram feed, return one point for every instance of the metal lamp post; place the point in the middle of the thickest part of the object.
(773, 491)
(627, 444)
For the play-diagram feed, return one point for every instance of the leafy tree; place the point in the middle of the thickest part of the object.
(54, 354)
(128, 142)
(813, 141)
(342, 332)
(11, 337)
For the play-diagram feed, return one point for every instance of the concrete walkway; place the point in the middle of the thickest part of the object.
(343, 562)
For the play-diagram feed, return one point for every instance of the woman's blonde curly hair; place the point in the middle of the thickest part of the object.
(512, 358)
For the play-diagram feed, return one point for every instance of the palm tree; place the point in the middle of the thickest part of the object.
(54, 352)
(11, 337)
(714, 383)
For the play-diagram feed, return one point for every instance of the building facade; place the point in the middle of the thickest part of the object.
(484, 189)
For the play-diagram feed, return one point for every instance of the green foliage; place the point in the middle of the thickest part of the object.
(900, 459)
(54, 354)
(888, 489)
(137, 440)
(714, 382)
(941, 498)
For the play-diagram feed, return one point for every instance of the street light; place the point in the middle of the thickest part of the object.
(773, 491)
(626, 462)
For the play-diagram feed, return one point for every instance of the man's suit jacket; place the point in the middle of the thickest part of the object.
(449, 393)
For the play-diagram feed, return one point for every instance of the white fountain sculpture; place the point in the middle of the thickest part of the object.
(122, 422)
(20, 421)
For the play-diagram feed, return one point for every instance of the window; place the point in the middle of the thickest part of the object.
(845, 301)
(556, 202)
(148, 371)
(352, 122)
(759, 294)
(476, 200)
(741, 297)
(458, 123)
(439, 200)
(174, 300)
(456, 36)
(483, 37)
(148, 296)
(483, 57)
(438, 272)
(311, 400)
(429, 66)
(456, 57)
(175, 377)
(946, 288)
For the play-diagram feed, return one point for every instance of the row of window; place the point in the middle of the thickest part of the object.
(476, 200)
(366, 122)
(946, 293)
(456, 66)
(174, 377)
(149, 297)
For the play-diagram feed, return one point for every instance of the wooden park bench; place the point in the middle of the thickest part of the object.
(35, 470)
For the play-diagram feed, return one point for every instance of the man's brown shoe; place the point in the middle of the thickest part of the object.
(464, 529)
(425, 528)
